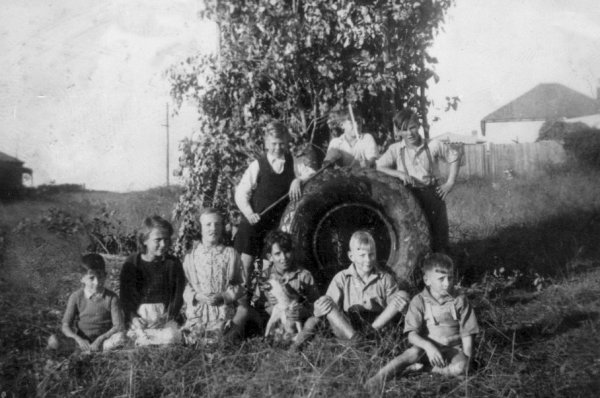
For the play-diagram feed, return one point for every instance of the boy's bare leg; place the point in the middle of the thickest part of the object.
(457, 366)
(308, 331)
(396, 366)
(247, 268)
(340, 326)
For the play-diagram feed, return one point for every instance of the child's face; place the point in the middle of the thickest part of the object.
(410, 135)
(348, 128)
(439, 281)
(363, 257)
(157, 244)
(93, 282)
(276, 147)
(212, 227)
(281, 259)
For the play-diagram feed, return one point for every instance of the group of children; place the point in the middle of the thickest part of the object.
(211, 286)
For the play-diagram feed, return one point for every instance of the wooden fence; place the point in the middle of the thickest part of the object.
(497, 160)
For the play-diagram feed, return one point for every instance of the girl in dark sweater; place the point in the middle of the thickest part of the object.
(152, 284)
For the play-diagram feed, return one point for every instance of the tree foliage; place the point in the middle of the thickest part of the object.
(294, 60)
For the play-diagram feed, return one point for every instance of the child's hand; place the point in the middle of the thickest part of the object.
(83, 343)
(215, 299)
(323, 306)
(139, 323)
(253, 218)
(435, 357)
(295, 189)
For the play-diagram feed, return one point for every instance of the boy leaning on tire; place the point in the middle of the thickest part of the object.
(415, 162)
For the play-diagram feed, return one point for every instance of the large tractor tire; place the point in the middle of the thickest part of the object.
(338, 202)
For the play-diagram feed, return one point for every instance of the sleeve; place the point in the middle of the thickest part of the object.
(304, 171)
(176, 287)
(188, 268)
(467, 319)
(71, 312)
(336, 290)
(243, 191)
(371, 151)
(390, 286)
(116, 313)
(413, 321)
(129, 294)
(332, 150)
(387, 160)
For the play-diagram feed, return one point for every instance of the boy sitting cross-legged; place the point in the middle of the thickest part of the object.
(440, 325)
(362, 297)
(93, 320)
(295, 280)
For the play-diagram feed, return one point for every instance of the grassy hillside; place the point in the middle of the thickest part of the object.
(528, 250)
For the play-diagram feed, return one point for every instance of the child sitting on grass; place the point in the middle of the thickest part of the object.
(283, 268)
(440, 325)
(152, 284)
(214, 284)
(361, 298)
(93, 320)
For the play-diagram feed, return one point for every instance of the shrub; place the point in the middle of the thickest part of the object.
(584, 147)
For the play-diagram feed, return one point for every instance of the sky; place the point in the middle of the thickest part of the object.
(83, 90)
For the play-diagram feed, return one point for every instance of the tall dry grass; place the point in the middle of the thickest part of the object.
(533, 343)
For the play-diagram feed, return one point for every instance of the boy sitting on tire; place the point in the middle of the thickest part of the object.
(361, 298)
(353, 147)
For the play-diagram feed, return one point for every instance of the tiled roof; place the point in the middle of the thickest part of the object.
(546, 101)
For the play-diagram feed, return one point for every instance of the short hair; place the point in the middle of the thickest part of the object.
(276, 129)
(150, 223)
(403, 118)
(93, 263)
(439, 262)
(283, 239)
(362, 238)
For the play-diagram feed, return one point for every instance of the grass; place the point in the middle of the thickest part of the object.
(533, 343)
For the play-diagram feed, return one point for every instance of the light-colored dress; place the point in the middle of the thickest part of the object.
(214, 269)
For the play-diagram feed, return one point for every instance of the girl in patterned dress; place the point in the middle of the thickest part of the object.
(214, 284)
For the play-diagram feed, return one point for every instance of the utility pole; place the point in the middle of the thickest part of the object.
(167, 127)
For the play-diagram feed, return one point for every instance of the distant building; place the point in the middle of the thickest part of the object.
(520, 120)
(11, 175)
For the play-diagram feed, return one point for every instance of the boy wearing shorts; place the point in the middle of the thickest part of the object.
(440, 325)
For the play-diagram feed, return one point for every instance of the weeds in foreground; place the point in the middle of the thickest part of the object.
(538, 339)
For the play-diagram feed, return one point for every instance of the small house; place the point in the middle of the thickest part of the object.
(11, 175)
(520, 120)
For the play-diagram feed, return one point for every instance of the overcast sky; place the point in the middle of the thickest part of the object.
(83, 92)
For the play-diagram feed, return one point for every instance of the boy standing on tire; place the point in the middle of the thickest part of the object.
(361, 298)
(264, 182)
(353, 147)
(415, 162)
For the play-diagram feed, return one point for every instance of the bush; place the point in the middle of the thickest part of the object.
(584, 147)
